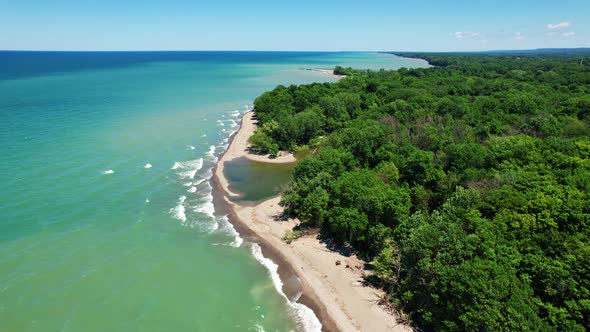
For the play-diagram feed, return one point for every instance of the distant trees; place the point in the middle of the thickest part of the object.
(467, 185)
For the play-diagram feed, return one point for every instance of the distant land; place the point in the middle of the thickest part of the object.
(546, 51)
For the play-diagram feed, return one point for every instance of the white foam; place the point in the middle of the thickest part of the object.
(219, 122)
(148, 165)
(187, 184)
(211, 152)
(204, 135)
(228, 228)
(190, 147)
(192, 189)
(233, 123)
(308, 320)
(188, 168)
(147, 200)
(108, 171)
(207, 206)
(198, 182)
(208, 173)
(178, 210)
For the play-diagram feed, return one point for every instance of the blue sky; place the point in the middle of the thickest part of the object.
(293, 25)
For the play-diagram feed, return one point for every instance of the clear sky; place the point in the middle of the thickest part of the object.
(381, 25)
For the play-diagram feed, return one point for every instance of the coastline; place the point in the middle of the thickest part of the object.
(326, 71)
(306, 267)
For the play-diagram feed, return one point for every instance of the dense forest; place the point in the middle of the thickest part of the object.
(466, 185)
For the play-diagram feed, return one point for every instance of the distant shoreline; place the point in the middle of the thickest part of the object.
(333, 292)
(325, 71)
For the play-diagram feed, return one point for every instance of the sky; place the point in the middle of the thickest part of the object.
(297, 25)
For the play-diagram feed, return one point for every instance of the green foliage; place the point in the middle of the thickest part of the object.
(467, 184)
(344, 71)
(263, 143)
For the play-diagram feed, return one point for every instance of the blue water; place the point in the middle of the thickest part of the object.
(91, 239)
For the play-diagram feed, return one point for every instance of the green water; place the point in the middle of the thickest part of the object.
(255, 181)
(91, 239)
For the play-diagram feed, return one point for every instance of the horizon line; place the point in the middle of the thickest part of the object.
(302, 51)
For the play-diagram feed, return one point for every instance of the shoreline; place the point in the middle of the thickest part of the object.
(325, 71)
(306, 267)
(292, 286)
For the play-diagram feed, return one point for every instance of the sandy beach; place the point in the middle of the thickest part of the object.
(334, 292)
(328, 71)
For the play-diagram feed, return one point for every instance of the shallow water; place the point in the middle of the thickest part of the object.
(93, 240)
(256, 181)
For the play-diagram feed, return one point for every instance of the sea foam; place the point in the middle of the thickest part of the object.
(108, 171)
(211, 152)
(198, 182)
(308, 320)
(226, 227)
(207, 206)
(178, 210)
(189, 168)
(148, 165)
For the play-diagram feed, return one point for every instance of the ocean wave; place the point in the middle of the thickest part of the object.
(108, 171)
(219, 122)
(148, 165)
(226, 227)
(198, 182)
(190, 147)
(178, 210)
(206, 207)
(208, 173)
(211, 152)
(307, 318)
(231, 133)
(233, 123)
(192, 189)
(188, 168)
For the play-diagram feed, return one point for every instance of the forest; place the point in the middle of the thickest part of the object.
(466, 185)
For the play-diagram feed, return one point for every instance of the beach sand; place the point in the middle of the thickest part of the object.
(334, 292)
(328, 71)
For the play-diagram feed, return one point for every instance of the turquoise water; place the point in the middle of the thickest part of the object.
(91, 237)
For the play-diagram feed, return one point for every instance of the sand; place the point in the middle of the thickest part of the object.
(328, 71)
(334, 292)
